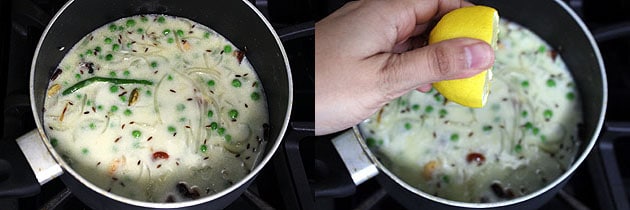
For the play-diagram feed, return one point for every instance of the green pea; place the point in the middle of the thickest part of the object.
(528, 125)
(570, 95)
(154, 64)
(108, 40)
(443, 112)
(525, 84)
(536, 130)
(214, 125)
(126, 73)
(180, 33)
(518, 148)
(115, 47)
(428, 109)
(54, 142)
(136, 133)
(548, 114)
(255, 96)
(166, 32)
(370, 142)
(221, 131)
(203, 148)
(113, 108)
(438, 98)
(85, 151)
(170, 40)
(92, 126)
(112, 27)
(408, 126)
(228, 138)
(236, 83)
(454, 137)
(171, 129)
(415, 107)
(112, 74)
(130, 23)
(109, 57)
(551, 83)
(233, 113)
(446, 179)
(210, 83)
(113, 89)
(180, 107)
(227, 49)
(524, 113)
(486, 128)
(127, 112)
(161, 19)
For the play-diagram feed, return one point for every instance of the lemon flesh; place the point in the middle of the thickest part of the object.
(478, 22)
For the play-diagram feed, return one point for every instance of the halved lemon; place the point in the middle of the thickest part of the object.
(478, 22)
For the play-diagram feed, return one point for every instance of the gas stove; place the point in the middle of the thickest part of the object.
(303, 174)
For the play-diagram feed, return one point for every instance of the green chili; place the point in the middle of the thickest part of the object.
(210, 113)
(114, 108)
(112, 74)
(524, 113)
(109, 57)
(161, 19)
(166, 31)
(536, 131)
(408, 126)
(154, 64)
(528, 125)
(525, 84)
(214, 125)
(139, 30)
(112, 27)
(570, 95)
(443, 112)
(210, 83)
(370, 141)
(487, 128)
(108, 40)
(126, 73)
(115, 81)
(428, 109)
(115, 47)
(518, 148)
(415, 107)
(542, 49)
(179, 33)
(170, 40)
(171, 129)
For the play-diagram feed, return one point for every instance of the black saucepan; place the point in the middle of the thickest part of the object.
(557, 24)
(237, 20)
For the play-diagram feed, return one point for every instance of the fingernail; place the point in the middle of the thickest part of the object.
(478, 56)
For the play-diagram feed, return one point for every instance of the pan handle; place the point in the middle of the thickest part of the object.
(17, 178)
(41, 161)
(354, 156)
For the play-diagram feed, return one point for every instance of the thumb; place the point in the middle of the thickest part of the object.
(445, 60)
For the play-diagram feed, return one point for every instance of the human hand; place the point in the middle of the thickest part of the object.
(366, 54)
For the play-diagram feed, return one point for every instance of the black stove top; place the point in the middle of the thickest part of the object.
(297, 177)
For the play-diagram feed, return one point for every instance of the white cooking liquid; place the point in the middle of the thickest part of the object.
(197, 80)
(523, 139)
